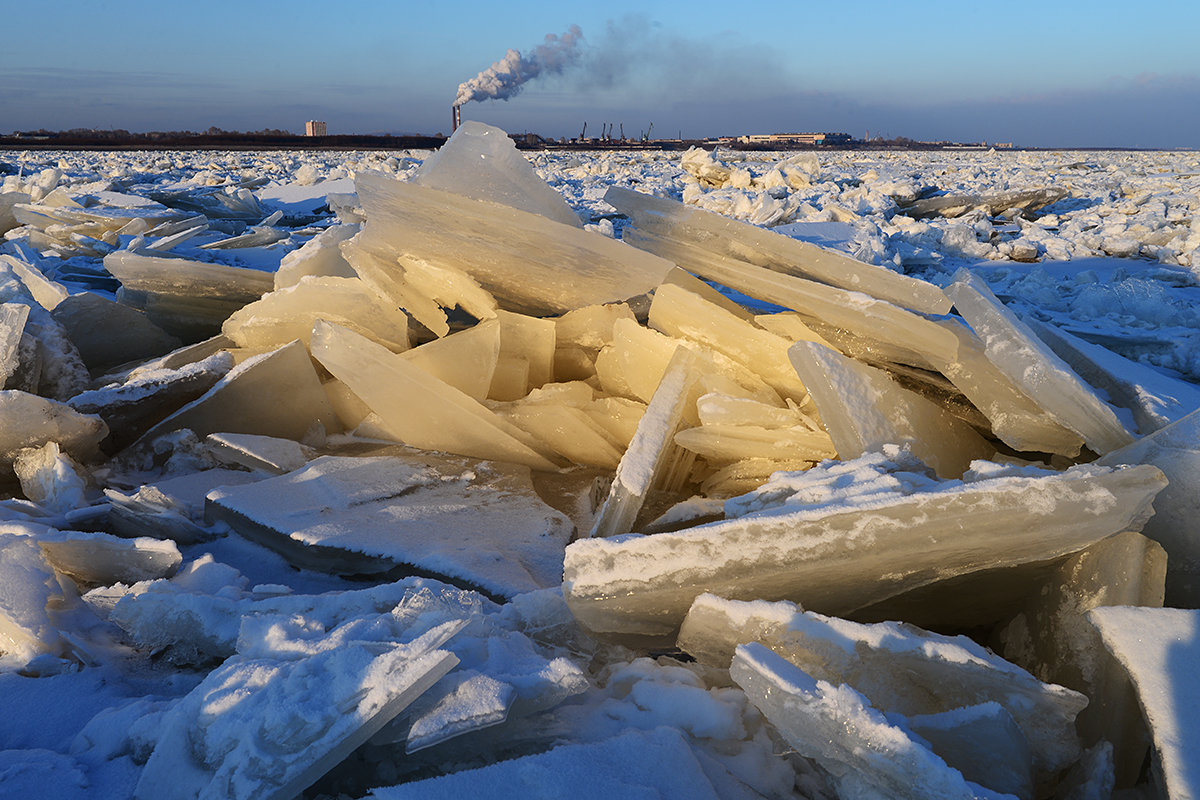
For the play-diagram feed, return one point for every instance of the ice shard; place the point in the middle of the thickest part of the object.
(900, 668)
(473, 523)
(418, 408)
(100, 559)
(32, 421)
(1034, 368)
(319, 257)
(108, 333)
(1158, 648)
(481, 162)
(27, 586)
(465, 360)
(188, 299)
(858, 313)
(749, 243)
(1014, 418)
(863, 408)
(297, 715)
(685, 315)
(835, 548)
(652, 457)
(1175, 450)
(273, 394)
(532, 265)
(1052, 638)
(255, 452)
(12, 326)
(289, 313)
(955, 205)
(131, 407)
(836, 727)
(50, 478)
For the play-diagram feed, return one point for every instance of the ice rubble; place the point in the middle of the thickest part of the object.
(568, 445)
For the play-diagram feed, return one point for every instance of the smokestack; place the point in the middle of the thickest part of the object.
(455, 118)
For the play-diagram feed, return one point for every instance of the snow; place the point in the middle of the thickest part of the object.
(119, 679)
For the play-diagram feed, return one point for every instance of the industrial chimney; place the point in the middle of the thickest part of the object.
(455, 118)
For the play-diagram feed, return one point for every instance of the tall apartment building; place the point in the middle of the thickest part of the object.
(314, 128)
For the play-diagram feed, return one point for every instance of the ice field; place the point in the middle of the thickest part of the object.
(480, 473)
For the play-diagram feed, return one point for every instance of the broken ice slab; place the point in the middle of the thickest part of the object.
(1155, 398)
(590, 327)
(7, 201)
(12, 326)
(955, 205)
(984, 743)
(900, 668)
(255, 452)
(469, 701)
(652, 459)
(473, 523)
(386, 275)
(720, 235)
(569, 431)
(633, 365)
(170, 509)
(295, 717)
(465, 360)
(800, 537)
(417, 408)
(722, 444)
(274, 394)
(1175, 450)
(130, 408)
(27, 586)
(1014, 418)
(319, 257)
(858, 313)
(1052, 638)
(835, 726)
(50, 479)
(289, 313)
(214, 202)
(1160, 650)
(644, 764)
(863, 408)
(1034, 368)
(685, 315)
(32, 421)
(532, 339)
(188, 299)
(98, 219)
(482, 162)
(100, 559)
(531, 265)
(45, 292)
(108, 333)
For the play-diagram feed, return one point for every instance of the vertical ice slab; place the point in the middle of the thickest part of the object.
(1160, 649)
(531, 264)
(12, 325)
(419, 409)
(1175, 450)
(653, 452)
(863, 408)
(866, 755)
(1034, 368)
(481, 162)
(848, 534)
(765, 248)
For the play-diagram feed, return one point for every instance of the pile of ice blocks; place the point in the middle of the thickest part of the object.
(853, 536)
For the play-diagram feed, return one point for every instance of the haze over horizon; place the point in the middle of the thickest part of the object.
(1070, 74)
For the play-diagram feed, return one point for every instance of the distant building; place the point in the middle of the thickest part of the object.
(795, 138)
(314, 128)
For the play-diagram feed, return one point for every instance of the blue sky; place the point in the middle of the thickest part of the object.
(1036, 73)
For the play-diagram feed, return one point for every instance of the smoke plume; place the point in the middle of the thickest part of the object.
(508, 76)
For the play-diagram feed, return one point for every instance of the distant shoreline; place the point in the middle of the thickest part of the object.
(247, 142)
